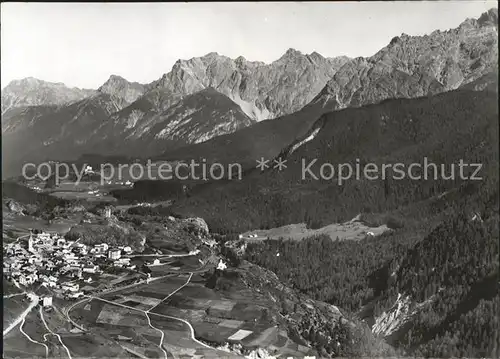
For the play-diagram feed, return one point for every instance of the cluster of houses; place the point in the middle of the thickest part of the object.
(36, 188)
(251, 235)
(59, 264)
(126, 183)
(96, 192)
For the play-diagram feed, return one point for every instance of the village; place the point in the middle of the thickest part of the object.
(61, 265)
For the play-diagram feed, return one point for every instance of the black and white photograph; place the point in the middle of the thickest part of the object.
(189, 180)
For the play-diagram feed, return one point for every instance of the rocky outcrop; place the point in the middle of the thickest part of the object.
(390, 321)
(197, 226)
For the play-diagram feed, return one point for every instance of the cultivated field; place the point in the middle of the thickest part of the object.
(121, 316)
(219, 319)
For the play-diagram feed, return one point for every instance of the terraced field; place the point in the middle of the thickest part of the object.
(125, 318)
(222, 319)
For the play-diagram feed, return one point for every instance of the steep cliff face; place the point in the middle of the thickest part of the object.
(413, 66)
(199, 117)
(193, 119)
(34, 92)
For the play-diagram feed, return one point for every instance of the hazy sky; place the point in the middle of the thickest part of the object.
(81, 44)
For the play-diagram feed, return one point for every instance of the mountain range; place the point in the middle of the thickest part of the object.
(213, 95)
(428, 285)
(425, 285)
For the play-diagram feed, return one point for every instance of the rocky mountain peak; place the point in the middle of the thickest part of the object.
(290, 55)
(489, 18)
(292, 51)
(240, 60)
(27, 81)
(31, 82)
(123, 89)
(212, 55)
(261, 90)
(468, 24)
(111, 82)
(412, 66)
(116, 78)
(317, 55)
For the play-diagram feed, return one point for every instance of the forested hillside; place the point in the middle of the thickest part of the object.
(419, 286)
(445, 262)
(447, 128)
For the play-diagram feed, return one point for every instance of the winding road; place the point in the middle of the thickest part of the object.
(148, 313)
(33, 340)
(54, 334)
(66, 313)
(162, 334)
